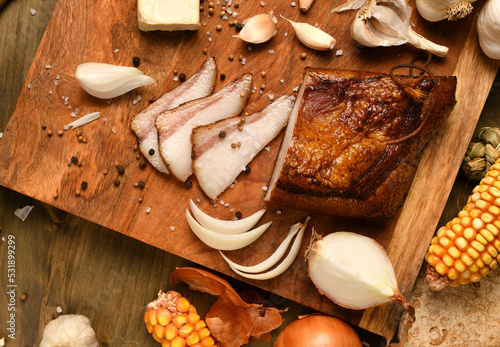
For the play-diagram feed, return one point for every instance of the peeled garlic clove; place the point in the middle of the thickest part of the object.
(387, 23)
(226, 227)
(353, 270)
(225, 242)
(106, 81)
(69, 330)
(305, 5)
(488, 29)
(437, 10)
(312, 37)
(259, 28)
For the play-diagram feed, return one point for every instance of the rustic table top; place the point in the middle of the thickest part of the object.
(66, 264)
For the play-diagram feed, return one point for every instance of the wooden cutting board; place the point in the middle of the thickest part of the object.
(37, 165)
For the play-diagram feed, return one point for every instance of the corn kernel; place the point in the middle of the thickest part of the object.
(208, 342)
(166, 343)
(193, 318)
(178, 342)
(453, 274)
(480, 238)
(171, 331)
(463, 280)
(494, 210)
(494, 191)
(487, 180)
(486, 258)
(441, 232)
(460, 266)
(472, 252)
(157, 339)
(493, 264)
(468, 261)
(448, 260)
(478, 224)
(496, 243)
(179, 320)
(445, 242)
(473, 268)
(492, 229)
(201, 324)
(463, 214)
(186, 329)
(182, 305)
(484, 271)
(192, 309)
(465, 274)
(151, 317)
(478, 246)
(457, 229)
(204, 333)
(470, 234)
(451, 235)
(149, 327)
(439, 251)
(192, 339)
(454, 252)
(487, 217)
(461, 243)
(475, 213)
(492, 251)
(164, 316)
(481, 204)
(159, 331)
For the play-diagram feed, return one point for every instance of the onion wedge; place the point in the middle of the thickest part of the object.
(199, 85)
(175, 126)
(225, 242)
(284, 265)
(226, 227)
(217, 161)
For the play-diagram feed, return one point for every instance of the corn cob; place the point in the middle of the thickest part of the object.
(468, 247)
(174, 322)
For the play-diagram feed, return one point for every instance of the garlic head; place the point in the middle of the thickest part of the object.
(71, 330)
(488, 29)
(387, 23)
(437, 10)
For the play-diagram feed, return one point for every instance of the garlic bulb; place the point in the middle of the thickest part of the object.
(70, 330)
(437, 10)
(353, 271)
(488, 29)
(312, 36)
(387, 23)
(259, 28)
(106, 81)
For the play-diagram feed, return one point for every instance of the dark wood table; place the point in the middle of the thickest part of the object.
(66, 264)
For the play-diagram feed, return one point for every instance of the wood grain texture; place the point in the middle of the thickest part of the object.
(76, 33)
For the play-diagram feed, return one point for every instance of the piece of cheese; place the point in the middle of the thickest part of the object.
(168, 15)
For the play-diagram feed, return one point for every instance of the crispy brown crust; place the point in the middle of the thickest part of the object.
(343, 157)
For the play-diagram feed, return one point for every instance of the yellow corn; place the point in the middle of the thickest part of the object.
(468, 247)
(173, 322)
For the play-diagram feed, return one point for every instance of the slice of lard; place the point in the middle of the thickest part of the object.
(222, 150)
(199, 85)
(175, 126)
(168, 15)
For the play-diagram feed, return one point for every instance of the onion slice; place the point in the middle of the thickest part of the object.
(285, 264)
(225, 242)
(226, 227)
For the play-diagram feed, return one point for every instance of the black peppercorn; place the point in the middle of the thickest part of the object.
(151, 151)
(182, 77)
(238, 214)
(136, 61)
(188, 184)
(84, 185)
(142, 164)
(74, 160)
(239, 27)
(222, 77)
(222, 134)
(141, 184)
(247, 169)
(116, 182)
(121, 170)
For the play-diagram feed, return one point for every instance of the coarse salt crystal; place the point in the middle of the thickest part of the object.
(113, 131)
(69, 107)
(293, 4)
(58, 309)
(116, 50)
(229, 11)
(110, 101)
(66, 127)
(271, 51)
(339, 52)
(226, 204)
(262, 3)
(134, 102)
(282, 80)
(29, 85)
(3, 238)
(58, 77)
(50, 92)
(278, 212)
(271, 96)
(73, 114)
(1, 134)
(176, 79)
(264, 188)
(209, 39)
(56, 82)
(224, 17)
(23, 213)
(267, 148)
(138, 98)
(198, 199)
(77, 110)
(172, 228)
(105, 119)
(243, 61)
(148, 209)
(316, 25)
(48, 66)
(32, 11)
(285, 34)
(234, 14)
(231, 209)
(222, 202)
(296, 89)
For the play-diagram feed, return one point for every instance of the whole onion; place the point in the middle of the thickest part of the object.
(318, 331)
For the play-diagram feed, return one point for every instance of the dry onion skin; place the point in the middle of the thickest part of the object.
(353, 271)
(318, 330)
(232, 321)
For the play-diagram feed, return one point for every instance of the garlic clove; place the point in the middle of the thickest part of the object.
(284, 265)
(69, 330)
(225, 242)
(353, 270)
(488, 29)
(259, 28)
(312, 36)
(106, 81)
(226, 227)
(305, 5)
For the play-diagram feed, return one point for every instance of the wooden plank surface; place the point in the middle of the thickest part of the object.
(40, 171)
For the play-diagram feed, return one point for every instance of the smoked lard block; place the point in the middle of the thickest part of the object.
(354, 139)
